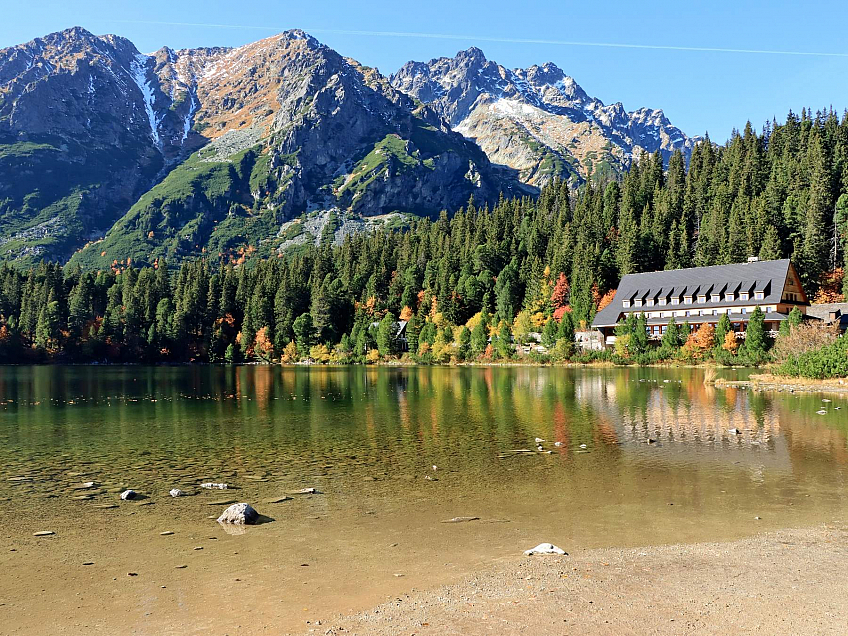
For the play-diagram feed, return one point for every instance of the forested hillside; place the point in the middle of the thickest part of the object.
(516, 266)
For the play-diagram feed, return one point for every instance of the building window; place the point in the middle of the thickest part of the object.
(675, 301)
(758, 295)
(716, 298)
(729, 298)
(687, 300)
(638, 302)
(702, 298)
(662, 302)
(744, 296)
(650, 302)
(625, 303)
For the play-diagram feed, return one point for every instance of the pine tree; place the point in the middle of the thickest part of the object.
(722, 329)
(755, 336)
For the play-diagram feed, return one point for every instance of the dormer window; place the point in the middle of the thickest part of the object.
(675, 301)
(650, 302)
(687, 300)
(729, 297)
(716, 298)
(759, 295)
(663, 302)
(638, 302)
(625, 303)
(744, 295)
(702, 298)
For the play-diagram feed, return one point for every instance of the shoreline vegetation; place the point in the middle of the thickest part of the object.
(518, 279)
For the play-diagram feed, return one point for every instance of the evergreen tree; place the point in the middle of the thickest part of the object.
(304, 334)
(722, 329)
(755, 335)
(386, 335)
(549, 333)
(464, 344)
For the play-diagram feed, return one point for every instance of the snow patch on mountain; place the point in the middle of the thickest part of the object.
(138, 72)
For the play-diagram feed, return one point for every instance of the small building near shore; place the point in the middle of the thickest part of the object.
(830, 314)
(703, 294)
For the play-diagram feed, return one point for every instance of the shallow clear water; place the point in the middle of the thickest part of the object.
(367, 439)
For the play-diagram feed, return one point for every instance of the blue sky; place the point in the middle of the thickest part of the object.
(699, 91)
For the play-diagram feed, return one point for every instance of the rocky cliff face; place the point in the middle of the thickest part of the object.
(538, 121)
(233, 142)
(84, 129)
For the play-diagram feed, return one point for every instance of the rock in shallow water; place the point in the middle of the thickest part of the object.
(239, 514)
(129, 494)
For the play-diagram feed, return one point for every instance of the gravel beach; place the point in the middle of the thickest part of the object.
(786, 582)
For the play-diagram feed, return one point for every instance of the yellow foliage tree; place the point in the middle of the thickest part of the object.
(372, 356)
(522, 326)
(730, 344)
(290, 354)
(406, 313)
(319, 353)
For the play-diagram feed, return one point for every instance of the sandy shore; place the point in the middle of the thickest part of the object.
(786, 582)
(779, 384)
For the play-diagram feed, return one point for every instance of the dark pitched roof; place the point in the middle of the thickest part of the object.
(766, 276)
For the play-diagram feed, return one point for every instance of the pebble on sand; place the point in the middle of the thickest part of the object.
(43, 533)
(166, 533)
(545, 548)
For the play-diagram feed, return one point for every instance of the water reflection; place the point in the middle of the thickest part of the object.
(603, 428)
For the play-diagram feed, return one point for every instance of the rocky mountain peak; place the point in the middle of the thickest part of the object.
(537, 120)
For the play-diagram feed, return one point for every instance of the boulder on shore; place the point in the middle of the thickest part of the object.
(129, 494)
(239, 514)
(545, 548)
(176, 492)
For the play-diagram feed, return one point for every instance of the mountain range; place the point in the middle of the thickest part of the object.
(109, 156)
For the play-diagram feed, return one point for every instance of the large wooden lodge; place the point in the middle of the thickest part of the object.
(702, 294)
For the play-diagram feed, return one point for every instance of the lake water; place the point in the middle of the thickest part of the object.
(630, 457)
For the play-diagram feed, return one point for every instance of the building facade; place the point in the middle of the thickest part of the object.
(703, 294)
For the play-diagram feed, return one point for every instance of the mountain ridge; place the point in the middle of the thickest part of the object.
(538, 120)
(108, 154)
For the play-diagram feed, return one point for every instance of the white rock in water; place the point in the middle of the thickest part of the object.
(539, 440)
(545, 548)
(211, 486)
(129, 494)
(240, 514)
(176, 492)
(557, 444)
